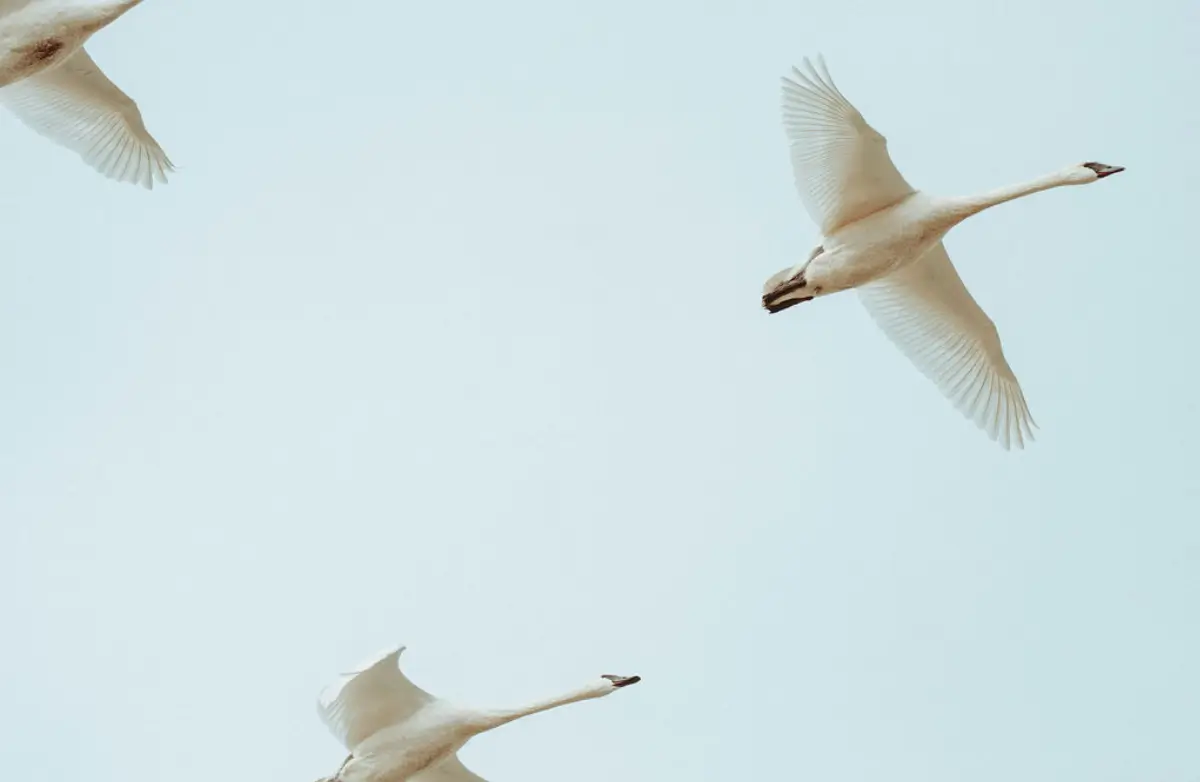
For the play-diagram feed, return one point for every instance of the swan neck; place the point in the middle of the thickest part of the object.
(970, 205)
(496, 718)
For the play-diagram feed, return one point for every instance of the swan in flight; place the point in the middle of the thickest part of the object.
(395, 731)
(52, 85)
(884, 238)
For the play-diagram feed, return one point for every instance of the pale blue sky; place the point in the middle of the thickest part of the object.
(447, 333)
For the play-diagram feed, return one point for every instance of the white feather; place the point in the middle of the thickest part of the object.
(75, 105)
(841, 164)
(926, 311)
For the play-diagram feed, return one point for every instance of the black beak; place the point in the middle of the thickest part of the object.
(1103, 169)
(622, 681)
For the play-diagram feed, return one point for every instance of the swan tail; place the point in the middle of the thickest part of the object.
(786, 289)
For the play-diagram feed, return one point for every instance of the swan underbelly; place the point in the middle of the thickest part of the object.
(877, 245)
(32, 40)
(33, 57)
(397, 753)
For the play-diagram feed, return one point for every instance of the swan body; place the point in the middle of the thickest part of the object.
(395, 731)
(51, 84)
(884, 238)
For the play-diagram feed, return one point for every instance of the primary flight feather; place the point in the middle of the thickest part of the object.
(52, 85)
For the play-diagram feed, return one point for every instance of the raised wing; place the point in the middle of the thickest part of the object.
(373, 696)
(449, 770)
(76, 106)
(842, 167)
(925, 309)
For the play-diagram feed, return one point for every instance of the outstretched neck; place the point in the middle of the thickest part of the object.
(495, 718)
(966, 206)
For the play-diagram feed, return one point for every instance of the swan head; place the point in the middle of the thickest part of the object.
(609, 683)
(1090, 172)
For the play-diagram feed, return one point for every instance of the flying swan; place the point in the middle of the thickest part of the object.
(51, 84)
(395, 731)
(884, 238)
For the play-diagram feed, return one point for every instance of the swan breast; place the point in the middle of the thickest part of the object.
(400, 751)
(879, 244)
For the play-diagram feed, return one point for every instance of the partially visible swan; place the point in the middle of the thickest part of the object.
(396, 731)
(885, 239)
(52, 85)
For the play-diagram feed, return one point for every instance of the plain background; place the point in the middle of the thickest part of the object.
(447, 332)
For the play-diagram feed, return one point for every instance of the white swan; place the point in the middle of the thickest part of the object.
(396, 731)
(885, 239)
(52, 85)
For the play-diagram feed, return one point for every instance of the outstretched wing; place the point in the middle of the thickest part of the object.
(76, 106)
(372, 696)
(842, 167)
(925, 309)
(449, 770)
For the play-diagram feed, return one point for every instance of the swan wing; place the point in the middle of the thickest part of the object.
(76, 106)
(927, 312)
(449, 770)
(841, 164)
(374, 695)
